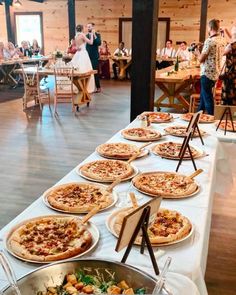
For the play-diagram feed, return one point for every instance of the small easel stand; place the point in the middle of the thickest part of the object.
(128, 238)
(228, 115)
(192, 126)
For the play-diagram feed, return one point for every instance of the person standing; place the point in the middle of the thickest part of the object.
(210, 59)
(229, 80)
(104, 63)
(93, 52)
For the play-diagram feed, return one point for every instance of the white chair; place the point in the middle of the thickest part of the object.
(33, 89)
(63, 86)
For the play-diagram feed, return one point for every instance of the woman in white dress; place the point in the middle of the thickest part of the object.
(81, 60)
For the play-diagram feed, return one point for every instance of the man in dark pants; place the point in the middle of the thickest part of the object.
(210, 59)
(93, 52)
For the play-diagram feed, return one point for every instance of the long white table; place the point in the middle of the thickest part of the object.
(190, 256)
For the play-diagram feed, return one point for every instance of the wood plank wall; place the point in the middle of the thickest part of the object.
(184, 14)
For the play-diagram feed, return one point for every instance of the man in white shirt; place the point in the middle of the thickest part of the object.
(183, 52)
(210, 59)
(119, 52)
(167, 52)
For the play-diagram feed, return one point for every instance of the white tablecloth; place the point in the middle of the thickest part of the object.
(189, 257)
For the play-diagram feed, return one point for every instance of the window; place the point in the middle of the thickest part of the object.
(125, 31)
(28, 26)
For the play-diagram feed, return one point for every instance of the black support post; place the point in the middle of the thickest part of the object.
(203, 20)
(71, 18)
(144, 37)
(10, 34)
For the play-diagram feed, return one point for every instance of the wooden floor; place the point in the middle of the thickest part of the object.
(38, 149)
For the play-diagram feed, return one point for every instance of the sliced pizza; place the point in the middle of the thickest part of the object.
(107, 170)
(181, 131)
(49, 238)
(78, 197)
(141, 134)
(117, 150)
(229, 126)
(156, 117)
(165, 227)
(165, 184)
(204, 118)
(171, 150)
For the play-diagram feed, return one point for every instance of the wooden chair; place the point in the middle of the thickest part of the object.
(33, 89)
(63, 86)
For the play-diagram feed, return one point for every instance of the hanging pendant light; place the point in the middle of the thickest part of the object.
(17, 3)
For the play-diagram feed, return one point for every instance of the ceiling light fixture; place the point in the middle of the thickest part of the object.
(17, 3)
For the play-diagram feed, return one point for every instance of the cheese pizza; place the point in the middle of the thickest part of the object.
(141, 134)
(156, 117)
(204, 118)
(229, 125)
(180, 131)
(49, 238)
(119, 150)
(171, 150)
(165, 184)
(106, 170)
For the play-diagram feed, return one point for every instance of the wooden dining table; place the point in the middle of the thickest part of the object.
(172, 84)
(80, 80)
(123, 62)
(8, 66)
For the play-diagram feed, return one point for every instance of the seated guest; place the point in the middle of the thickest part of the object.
(183, 52)
(25, 49)
(35, 48)
(104, 64)
(72, 48)
(11, 50)
(119, 52)
(167, 52)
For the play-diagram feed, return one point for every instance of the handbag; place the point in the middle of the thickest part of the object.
(223, 75)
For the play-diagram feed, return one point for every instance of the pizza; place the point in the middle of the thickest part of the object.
(156, 117)
(165, 184)
(171, 150)
(107, 170)
(122, 151)
(166, 226)
(180, 131)
(141, 134)
(78, 197)
(50, 238)
(229, 125)
(204, 118)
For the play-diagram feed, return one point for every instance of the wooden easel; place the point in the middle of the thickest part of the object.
(127, 237)
(185, 146)
(227, 113)
(193, 124)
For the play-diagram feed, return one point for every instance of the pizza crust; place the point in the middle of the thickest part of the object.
(27, 237)
(80, 197)
(165, 184)
(107, 170)
(141, 134)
